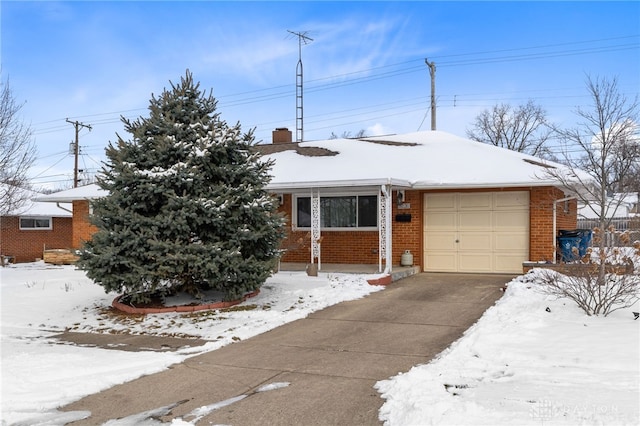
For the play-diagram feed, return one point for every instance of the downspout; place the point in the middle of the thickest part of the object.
(555, 231)
(63, 208)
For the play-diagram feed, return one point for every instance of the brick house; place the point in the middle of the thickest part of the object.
(36, 226)
(456, 205)
(79, 199)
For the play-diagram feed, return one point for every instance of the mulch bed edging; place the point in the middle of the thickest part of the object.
(384, 280)
(185, 308)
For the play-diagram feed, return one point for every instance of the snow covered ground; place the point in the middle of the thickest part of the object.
(39, 300)
(519, 364)
(530, 360)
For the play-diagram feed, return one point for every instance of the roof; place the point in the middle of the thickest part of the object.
(36, 208)
(87, 192)
(618, 206)
(420, 160)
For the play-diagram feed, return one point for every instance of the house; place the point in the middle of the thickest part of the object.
(79, 198)
(457, 205)
(36, 226)
(621, 210)
(619, 206)
(454, 204)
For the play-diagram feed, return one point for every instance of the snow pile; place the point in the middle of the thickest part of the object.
(530, 360)
(40, 300)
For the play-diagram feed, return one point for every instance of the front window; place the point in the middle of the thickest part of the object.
(39, 223)
(346, 211)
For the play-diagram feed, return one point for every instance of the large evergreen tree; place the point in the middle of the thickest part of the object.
(187, 208)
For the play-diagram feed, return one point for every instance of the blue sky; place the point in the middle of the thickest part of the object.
(364, 69)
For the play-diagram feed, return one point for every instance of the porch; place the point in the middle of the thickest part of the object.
(397, 273)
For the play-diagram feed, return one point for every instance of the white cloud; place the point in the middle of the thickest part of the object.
(378, 130)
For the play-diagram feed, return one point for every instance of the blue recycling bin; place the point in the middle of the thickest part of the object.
(585, 241)
(566, 245)
(583, 234)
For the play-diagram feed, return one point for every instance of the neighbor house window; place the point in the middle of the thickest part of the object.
(345, 211)
(35, 223)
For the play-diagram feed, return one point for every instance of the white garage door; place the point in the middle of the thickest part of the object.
(476, 232)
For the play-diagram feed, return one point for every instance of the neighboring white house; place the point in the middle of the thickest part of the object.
(621, 211)
(618, 207)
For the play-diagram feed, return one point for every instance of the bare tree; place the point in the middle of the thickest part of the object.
(17, 152)
(347, 135)
(601, 153)
(605, 144)
(523, 128)
(626, 173)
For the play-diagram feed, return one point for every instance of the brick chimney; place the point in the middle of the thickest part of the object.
(281, 135)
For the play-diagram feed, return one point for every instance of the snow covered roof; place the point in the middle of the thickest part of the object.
(87, 192)
(618, 206)
(36, 208)
(420, 160)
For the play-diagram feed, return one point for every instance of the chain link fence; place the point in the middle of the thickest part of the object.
(612, 239)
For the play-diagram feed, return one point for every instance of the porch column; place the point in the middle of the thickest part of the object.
(384, 229)
(315, 226)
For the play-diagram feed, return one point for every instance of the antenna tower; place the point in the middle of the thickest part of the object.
(302, 39)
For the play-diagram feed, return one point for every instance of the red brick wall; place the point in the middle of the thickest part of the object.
(28, 245)
(359, 246)
(82, 227)
(407, 235)
(542, 241)
(362, 246)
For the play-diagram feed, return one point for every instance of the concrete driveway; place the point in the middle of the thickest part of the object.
(330, 360)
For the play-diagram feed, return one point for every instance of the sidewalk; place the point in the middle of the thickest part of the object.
(330, 360)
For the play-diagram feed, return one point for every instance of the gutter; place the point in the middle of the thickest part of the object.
(350, 183)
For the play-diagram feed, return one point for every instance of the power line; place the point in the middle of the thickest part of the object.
(399, 69)
(76, 147)
(416, 68)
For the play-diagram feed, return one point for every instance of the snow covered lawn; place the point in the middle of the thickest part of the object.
(524, 364)
(40, 300)
(519, 364)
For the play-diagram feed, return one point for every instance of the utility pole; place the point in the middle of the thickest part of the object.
(302, 38)
(76, 148)
(432, 72)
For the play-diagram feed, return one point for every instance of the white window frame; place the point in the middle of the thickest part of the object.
(35, 228)
(294, 213)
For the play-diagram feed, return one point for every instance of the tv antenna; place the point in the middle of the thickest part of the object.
(302, 39)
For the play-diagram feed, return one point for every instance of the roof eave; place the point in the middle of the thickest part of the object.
(51, 199)
(483, 185)
(355, 183)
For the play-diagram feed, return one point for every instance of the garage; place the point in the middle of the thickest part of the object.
(476, 231)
